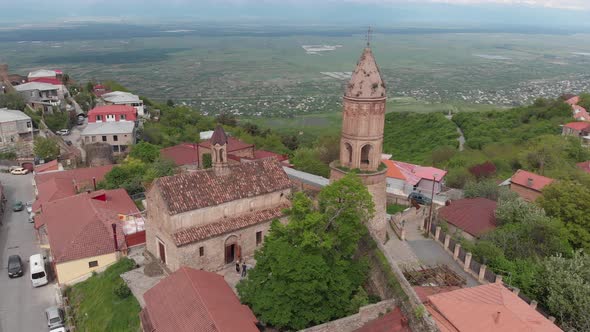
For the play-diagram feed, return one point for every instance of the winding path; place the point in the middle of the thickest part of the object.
(461, 138)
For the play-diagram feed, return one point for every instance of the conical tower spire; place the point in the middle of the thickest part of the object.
(366, 81)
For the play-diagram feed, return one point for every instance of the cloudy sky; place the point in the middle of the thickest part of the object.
(530, 12)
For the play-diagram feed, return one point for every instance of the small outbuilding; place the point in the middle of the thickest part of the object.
(473, 217)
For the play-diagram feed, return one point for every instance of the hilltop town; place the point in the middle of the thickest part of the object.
(125, 214)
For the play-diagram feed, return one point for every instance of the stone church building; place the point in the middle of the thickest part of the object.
(207, 219)
(361, 142)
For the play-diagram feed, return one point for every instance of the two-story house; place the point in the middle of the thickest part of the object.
(124, 98)
(44, 96)
(112, 113)
(15, 127)
(111, 124)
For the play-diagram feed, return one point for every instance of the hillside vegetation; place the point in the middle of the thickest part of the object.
(411, 137)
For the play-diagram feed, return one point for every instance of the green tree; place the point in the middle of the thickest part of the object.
(227, 119)
(305, 272)
(86, 100)
(565, 290)
(487, 189)
(513, 209)
(146, 152)
(570, 202)
(46, 148)
(158, 169)
(13, 101)
(207, 160)
(308, 160)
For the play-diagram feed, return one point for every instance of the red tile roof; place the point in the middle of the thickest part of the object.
(50, 166)
(579, 126)
(394, 321)
(473, 215)
(424, 292)
(537, 182)
(261, 154)
(393, 171)
(112, 109)
(86, 229)
(233, 144)
(486, 308)
(49, 80)
(413, 174)
(573, 100)
(192, 300)
(60, 184)
(199, 233)
(198, 189)
(585, 166)
(182, 154)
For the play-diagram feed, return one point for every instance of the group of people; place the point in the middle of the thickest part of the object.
(244, 268)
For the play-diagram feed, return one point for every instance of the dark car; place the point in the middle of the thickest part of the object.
(18, 206)
(15, 266)
(419, 198)
(69, 143)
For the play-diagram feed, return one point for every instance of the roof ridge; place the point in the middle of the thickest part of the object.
(185, 270)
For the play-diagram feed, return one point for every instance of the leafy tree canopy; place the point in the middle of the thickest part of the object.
(46, 148)
(133, 174)
(13, 101)
(570, 202)
(306, 273)
(145, 152)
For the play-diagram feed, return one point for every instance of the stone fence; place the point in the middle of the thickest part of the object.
(476, 269)
(356, 321)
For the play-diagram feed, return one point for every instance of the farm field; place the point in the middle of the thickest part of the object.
(280, 72)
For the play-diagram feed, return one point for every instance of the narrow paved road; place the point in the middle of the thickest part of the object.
(22, 307)
(461, 138)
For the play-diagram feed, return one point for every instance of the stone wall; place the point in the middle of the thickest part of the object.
(527, 194)
(356, 321)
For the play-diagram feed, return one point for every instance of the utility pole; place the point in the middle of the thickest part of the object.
(431, 205)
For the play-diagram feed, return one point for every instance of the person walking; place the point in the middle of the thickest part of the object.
(244, 270)
(238, 266)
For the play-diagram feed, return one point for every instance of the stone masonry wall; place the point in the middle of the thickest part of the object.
(356, 321)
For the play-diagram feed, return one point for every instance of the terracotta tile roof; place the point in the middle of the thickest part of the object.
(579, 126)
(261, 154)
(573, 100)
(182, 154)
(112, 109)
(59, 184)
(394, 321)
(486, 308)
(226, 225)
(366, 79)
(49, 80)
(413, 174)
(393, 171)
(585, 166)
(424, 292)
(192, 300)
(530, 180)
(233, 144)
(198, 189)
(85, 230)
(219, 136)
(50, 166)
(473, 215)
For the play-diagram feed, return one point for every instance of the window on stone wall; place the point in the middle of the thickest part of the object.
(201, 251)
(258, 238)
(92, 264)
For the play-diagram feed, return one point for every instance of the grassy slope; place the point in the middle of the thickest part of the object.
(96, 306)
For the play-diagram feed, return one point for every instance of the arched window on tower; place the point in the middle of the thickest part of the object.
(348, 152)
(366, 154)
(221, 156)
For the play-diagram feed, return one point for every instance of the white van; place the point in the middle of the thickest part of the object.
(37, 268)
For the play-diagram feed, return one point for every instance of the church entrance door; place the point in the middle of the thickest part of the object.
(231, 248)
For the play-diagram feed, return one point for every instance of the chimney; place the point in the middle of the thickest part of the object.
(94, 183)
(497, 317)
(530, 182)
(115, 236)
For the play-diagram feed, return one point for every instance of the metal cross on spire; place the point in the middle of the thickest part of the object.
(369, 36)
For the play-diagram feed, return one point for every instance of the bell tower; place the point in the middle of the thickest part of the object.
(361, 141)
(219, 151)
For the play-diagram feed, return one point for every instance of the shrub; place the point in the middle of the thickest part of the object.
(122, 290)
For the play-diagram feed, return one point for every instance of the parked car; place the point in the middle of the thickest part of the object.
(18, 206)
(55, 317)
(29, 206)
(59, 329)
(63, 132)
(31, 217)
(419, 198)
(15, 266)
(19, 171)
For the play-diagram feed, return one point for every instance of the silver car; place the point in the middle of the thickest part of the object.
(55, 317)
